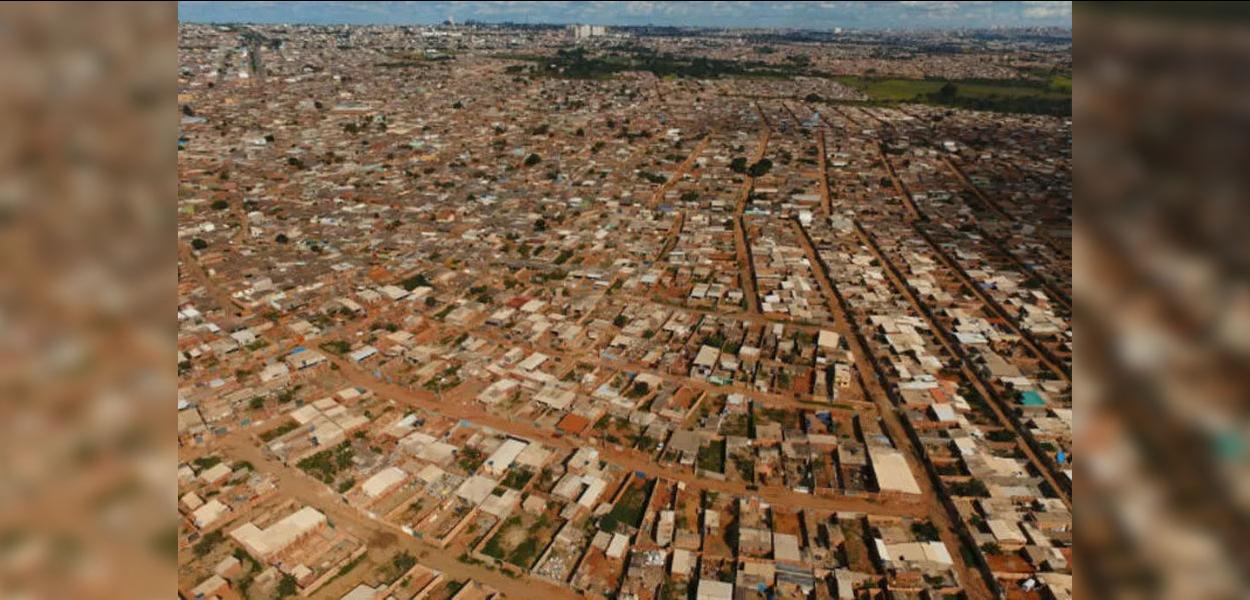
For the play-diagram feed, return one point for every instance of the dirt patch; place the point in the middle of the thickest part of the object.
(383, 539)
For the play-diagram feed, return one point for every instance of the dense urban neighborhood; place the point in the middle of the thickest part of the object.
(518, 311)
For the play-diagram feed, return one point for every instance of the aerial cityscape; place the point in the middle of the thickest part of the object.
(498, 308)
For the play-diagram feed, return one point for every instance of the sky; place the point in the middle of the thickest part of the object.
(805, 15)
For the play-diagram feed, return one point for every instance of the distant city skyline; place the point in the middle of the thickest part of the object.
(797, 15)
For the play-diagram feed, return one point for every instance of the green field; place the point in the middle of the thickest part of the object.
(1048, 93)
(897, 90)
(1053, 96)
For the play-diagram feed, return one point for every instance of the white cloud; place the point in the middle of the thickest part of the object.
(1047, 10)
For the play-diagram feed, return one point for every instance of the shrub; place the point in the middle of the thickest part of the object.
(760, 168)
(287, 586)
(208, 542)
(415, 282)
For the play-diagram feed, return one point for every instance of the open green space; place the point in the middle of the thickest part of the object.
(1051, 97)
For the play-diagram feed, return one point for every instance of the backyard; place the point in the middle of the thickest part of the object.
(522, 539)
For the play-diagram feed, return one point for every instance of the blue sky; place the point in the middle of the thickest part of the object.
(810, 15)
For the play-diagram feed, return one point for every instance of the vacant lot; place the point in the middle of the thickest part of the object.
(521, 539)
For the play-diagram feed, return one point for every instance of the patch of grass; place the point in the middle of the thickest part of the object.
(517, 478)
(712, 457)
(971, 488)
(415, 282)
(336, 347)
(524, 553)
(326, 464)
(925, 532)
(1051, 97)
(1001, 435)
(627, 511)
(287, 586)
(470, 459)
(206, 462)
(257, 345)
(402, 563)
(494, 546)
(208, 542)
(279, 431)
(746, 468)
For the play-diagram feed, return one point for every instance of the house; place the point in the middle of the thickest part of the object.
(534, 361)
(215, 474)
(555, 397)
(271, 541)
(209, 513)
(714, 590)
(273, 372)
(892, 471)
(394, 292)
(304, 358)
(502, 458)
(383, 481)
(705, 361)
(362, 353)
(828, 340)
(363, 592)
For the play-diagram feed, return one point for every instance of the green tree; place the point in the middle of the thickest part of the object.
(415, 282)
(760, 168)
(288, 586)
